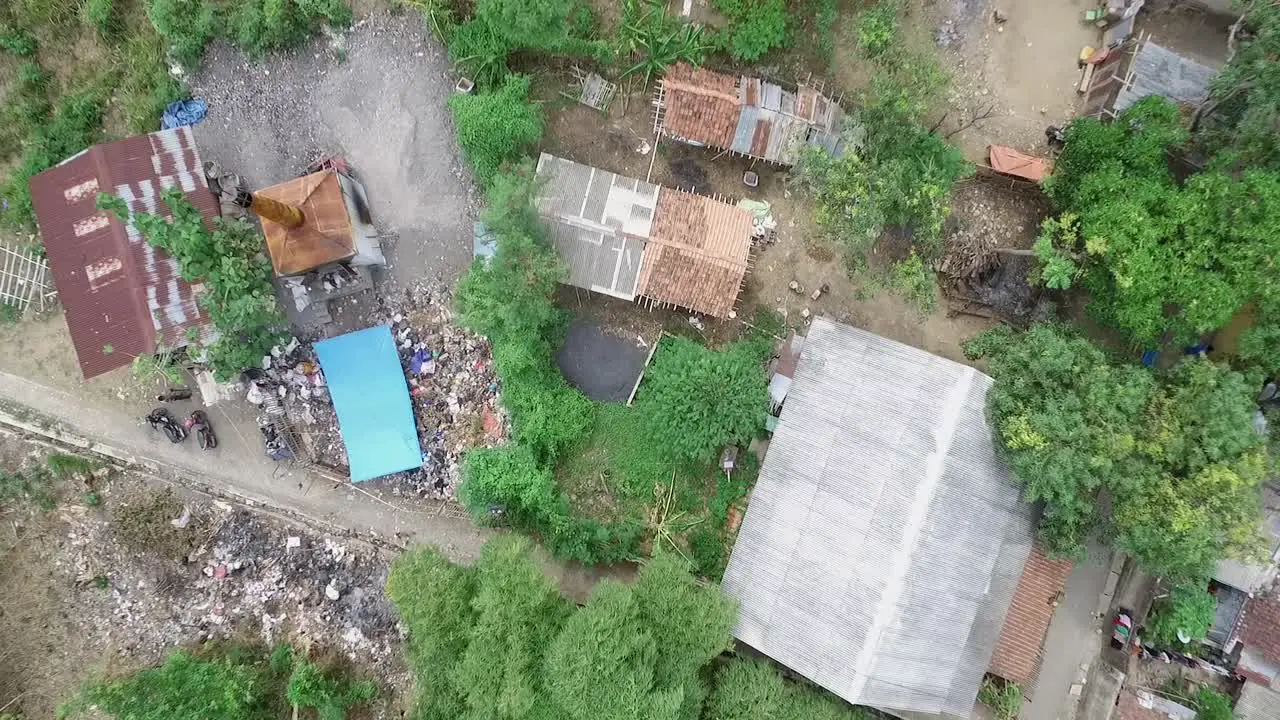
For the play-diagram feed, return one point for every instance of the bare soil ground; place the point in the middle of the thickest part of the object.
(106, 584)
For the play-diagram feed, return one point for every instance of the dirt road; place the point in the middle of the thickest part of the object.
(238, 470)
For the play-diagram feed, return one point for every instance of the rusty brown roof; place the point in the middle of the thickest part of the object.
(121, 297)
(1260, 629)
(697, 253)
(325, 235)
(1017, 653)
(701, 105)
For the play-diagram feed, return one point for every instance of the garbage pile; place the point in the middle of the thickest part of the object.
(452, 385)
(291, 379)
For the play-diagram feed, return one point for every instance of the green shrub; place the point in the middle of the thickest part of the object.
(184, 686)
(915, 282)
(76, 124)
(877, 30)
(656, 39)
(187, 25)
(1213, 705)
(17, 41)
(1004, 698)
(510, 478)
(496, 127)
(330, 696)
(100, 15)
(146, 87)
(27, 108)
(755, 27)
(695, 401)
(259, 26)
(1188, 608)
(754, 690)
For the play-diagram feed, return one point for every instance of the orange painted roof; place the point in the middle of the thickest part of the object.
(325, 235)
(1019, 164)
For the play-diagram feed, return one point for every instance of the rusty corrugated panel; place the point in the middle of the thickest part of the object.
(1017, 653)
(325, 235)
(760, 136)
(121, 297)
(806, 102)
(750, 91)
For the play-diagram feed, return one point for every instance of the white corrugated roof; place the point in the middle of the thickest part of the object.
(884, 538)
(1258, 702)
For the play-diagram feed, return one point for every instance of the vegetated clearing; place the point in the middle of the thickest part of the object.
(102, 582)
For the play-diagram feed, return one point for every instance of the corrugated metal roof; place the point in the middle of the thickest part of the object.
(1258, 703)
(1157, 71)
(121, 296)
(599, 222)
(697, 254)
(1017, 652)
(746, 115)
(884, 538)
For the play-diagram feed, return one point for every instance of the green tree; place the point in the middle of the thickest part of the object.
(1239, 118)
(755, 27)
(496, 127)
(512, 478)
(518, 611)
(1177, 456)
(755, 690)
(434, 599)
(228, 259)
(1188, 609)
(1064, 418)
(696, 401)
(637, 652)
(1158, 257)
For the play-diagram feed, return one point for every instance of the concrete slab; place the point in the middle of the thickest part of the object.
(1102, 690)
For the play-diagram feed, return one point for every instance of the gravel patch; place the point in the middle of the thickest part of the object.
(378, 96)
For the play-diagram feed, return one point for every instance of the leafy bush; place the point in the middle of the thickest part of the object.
(511, 479)
(184, 686)
(259, 26)
(755, 690)
(228, 259)
(696, 401)
(650, 33)
(912, 279)
(330, 696)
(17, 41)
(1004, 698)
(75, 125)
(1188, 608)
(27, 108)
(755, 27)
(187, 25)
(100, 15)
(499, 27)
(877, 30)
(1213, 705)
(496, 127)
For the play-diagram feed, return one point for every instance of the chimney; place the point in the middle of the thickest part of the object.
(273, 210)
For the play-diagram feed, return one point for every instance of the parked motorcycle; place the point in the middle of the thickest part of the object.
(198, 423)
(161, 420)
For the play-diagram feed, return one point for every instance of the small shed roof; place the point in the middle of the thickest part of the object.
(746, 115)
(697, 255)
(599, 223)
(1018, 650)
(884, 537)
(1159, 71)
(628, 238)
(121, 297)
(1260, 630)
(1008, 161)
(1136, 704)
(371, 399)
(325, 235)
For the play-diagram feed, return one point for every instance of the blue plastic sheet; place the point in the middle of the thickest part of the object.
(371, 398)
(183, 112)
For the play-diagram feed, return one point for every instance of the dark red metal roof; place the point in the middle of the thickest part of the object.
(121, 296)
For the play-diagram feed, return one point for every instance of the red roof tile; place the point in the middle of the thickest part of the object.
(1017, 653)
(121, 297)
(1261, 626)
(701, 105)
(697, 253)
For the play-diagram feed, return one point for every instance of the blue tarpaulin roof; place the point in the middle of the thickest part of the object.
(371, 398)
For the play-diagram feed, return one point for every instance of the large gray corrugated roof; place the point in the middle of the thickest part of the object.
(1157, 71)
(884, 538)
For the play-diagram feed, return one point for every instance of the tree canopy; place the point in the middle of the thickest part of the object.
(1158, 257)
(497, 641)
(1241, 117)
(1176, 455)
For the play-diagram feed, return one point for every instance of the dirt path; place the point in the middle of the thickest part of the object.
(238, 470)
